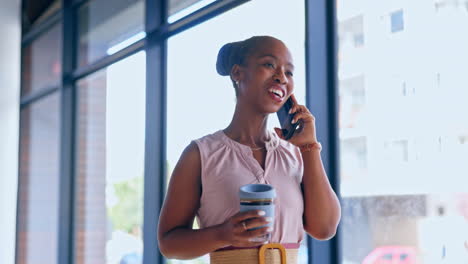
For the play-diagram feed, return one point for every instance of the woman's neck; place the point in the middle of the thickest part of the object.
(248, 128)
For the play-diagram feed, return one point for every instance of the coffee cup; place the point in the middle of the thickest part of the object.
(258, 197)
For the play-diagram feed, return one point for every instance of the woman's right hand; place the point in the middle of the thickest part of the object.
(237, 230)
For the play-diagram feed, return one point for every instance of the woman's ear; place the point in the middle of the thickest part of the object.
(236, 72)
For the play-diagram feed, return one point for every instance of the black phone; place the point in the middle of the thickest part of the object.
(285, 119)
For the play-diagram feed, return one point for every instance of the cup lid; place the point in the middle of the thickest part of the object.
(257, 191)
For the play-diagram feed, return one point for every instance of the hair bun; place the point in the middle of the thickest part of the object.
(226, 58)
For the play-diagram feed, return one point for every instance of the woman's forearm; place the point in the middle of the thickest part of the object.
(322, 211)
(184, 243)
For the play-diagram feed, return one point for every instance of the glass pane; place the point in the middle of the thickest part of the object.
(181, 8)
(403, 131)
(42, 61)
(110, 165)
(105, 29)
(36, 12)
(203, 99)
(39, 182)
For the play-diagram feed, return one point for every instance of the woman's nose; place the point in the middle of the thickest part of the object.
(279, 77)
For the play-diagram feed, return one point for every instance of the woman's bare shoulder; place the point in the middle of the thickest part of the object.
(190, 157)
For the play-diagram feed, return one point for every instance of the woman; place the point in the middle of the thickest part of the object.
(206, 180)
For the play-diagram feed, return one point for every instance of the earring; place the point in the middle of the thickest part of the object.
(237, 83)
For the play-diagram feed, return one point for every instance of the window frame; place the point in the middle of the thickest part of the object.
(322, 100)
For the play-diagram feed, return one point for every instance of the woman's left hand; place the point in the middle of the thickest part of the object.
(305, 134)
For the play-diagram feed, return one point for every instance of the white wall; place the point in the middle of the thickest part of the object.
(9, 124)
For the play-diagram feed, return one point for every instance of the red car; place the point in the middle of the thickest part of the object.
(391, 255)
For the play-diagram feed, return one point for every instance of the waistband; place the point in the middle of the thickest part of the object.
(285, 245)
(266, 254)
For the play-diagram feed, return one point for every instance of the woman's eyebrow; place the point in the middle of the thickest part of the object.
(274, 57)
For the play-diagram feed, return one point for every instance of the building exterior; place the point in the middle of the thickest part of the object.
(403, 144)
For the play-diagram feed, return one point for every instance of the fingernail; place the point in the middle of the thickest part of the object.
(293, 121)
(261, 212)
(290, 111)
(269, 219)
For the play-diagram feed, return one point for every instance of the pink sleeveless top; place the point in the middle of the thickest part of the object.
(227, 165)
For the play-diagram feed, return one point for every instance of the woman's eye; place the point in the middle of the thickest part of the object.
(290, 74)
(269, 65)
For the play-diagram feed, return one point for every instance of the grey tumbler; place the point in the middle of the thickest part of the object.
(258, 197)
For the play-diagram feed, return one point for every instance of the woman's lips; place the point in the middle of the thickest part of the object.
(277, 92)
(275, 97)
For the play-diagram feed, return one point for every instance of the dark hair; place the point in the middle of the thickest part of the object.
(236, 53)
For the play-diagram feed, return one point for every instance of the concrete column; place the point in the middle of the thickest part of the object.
(10, 46)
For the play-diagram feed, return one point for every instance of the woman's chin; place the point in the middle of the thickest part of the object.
(271, 109)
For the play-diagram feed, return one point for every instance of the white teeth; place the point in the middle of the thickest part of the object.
(277, 92)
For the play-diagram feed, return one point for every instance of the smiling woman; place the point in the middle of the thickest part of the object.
(213, 167)
(205, 182)
(203, 101)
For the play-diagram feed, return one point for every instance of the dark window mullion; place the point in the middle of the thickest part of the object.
(321, 99)
(67, 133)
(155, 132)
(34, 96)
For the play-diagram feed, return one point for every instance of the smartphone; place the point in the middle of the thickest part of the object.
(285, 119)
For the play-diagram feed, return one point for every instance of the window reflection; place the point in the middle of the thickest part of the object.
(104, 28)
(109, 170)
(41, 62)
(181, 8)
(38, 193)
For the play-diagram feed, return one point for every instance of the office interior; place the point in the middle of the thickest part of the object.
(98, 99)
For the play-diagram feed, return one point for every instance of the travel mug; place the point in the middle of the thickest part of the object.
(258, 197)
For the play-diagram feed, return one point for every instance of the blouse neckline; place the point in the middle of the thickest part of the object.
(271, 144)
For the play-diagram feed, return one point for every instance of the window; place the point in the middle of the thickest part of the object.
(397, 22)
(105, 29)
(392, 198)
(204, 100)
(352, 101)
(109, 169)
(42, 62)
(351, 32)
(36, 12)
(181, 8)
(354, 161)
(396, 151)
(387, 256)
(38, 197)
(456, 4)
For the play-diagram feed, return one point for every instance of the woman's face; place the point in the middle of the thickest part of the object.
(266, 81)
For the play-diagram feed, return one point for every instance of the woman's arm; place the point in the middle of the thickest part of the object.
(322, 211)
(176, 237)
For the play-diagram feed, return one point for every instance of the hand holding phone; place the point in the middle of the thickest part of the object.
(285, 119)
